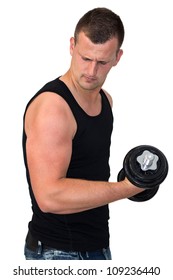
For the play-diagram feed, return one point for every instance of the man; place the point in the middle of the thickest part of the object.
(66, 143)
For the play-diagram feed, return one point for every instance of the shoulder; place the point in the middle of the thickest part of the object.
(46, 109)
(108, 97)
(45, 103)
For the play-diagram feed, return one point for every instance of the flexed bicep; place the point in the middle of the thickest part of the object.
(50, 128)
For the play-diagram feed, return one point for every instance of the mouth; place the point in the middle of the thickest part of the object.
(90, 78)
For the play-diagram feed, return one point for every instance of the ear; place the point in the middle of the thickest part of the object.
(118, 56)
(72, 44)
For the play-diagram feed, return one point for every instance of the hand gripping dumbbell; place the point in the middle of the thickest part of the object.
(145, 167)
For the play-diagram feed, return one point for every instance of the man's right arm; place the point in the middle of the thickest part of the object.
(50, 128)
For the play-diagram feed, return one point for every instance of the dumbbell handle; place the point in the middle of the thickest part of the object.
(145, 167)
(140, 197)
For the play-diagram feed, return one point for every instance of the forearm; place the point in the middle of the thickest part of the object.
(68, 196)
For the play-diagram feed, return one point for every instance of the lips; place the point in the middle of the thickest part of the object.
(90, 79)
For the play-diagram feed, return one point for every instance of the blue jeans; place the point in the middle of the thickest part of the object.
(52, 254)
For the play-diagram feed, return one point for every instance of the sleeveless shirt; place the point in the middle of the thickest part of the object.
(87, 230)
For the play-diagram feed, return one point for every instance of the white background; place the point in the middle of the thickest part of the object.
(34, 49)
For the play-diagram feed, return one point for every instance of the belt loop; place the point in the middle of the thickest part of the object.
(80, 256)
(40, 247)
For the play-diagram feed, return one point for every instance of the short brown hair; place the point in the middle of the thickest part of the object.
(100, 25)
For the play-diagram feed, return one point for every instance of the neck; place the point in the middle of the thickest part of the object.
(88, 99)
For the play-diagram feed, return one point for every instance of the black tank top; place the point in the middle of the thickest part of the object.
(87, 230)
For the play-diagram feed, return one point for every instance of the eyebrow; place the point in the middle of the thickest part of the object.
(99, 61)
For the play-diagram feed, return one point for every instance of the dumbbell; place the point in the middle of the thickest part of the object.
(145, 167)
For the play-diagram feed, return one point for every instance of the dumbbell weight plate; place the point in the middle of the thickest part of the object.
(149, 178)
(140, 197)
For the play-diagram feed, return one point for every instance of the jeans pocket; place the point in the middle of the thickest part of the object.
(32, 255)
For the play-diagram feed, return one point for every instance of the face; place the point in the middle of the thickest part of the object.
(91, 62)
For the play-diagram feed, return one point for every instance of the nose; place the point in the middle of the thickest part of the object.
(92, 68)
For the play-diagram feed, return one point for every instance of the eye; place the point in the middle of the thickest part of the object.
(102, 62)
(86, 59)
